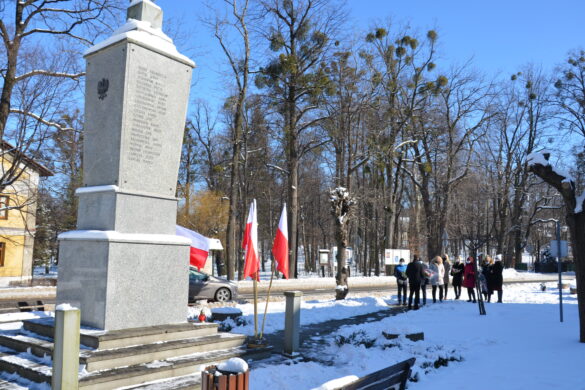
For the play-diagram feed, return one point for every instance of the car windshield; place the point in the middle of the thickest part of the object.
(196, 275)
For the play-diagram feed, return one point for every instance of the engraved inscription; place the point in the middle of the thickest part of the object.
(149, 108)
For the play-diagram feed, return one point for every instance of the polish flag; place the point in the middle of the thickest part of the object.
(250, 244)
(199, 246)
(280, 247)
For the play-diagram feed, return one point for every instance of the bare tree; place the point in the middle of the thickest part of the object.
(43, 42)
(234, 22)
(574, 216)
(448, 133)
(301, 34)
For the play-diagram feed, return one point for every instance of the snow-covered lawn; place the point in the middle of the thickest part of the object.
(518, 345)
(312, 312)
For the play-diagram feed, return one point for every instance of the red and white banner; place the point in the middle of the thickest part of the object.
(199, 246)
(280, 247)
(250, 244)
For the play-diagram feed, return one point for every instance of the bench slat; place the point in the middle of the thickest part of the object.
(385, 378)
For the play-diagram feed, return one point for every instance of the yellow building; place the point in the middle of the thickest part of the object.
(18, 213)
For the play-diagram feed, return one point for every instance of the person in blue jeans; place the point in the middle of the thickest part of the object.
(401, 281)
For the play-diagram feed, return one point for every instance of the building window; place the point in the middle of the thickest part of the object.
(4, 206)
(2, 251)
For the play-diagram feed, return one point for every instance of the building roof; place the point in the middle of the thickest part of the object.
(30, 163)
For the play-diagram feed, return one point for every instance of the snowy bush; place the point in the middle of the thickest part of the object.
(356, 338)
(228, 324)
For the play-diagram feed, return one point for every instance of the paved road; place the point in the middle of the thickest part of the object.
(11, 305)
(392, 288)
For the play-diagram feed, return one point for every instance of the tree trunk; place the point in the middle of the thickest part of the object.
(341, 278)
(231, 244)
(576, 223)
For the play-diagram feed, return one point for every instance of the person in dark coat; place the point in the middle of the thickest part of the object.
(457, 273)
(401, 281)
(469, 279)
(496, 279)
(426, 281)
(484, 277)
(415, 275)
(447, 266)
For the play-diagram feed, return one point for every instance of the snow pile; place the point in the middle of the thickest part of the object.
(134, 2)
(143, 33)
(226, 310)
(542, 157)
(336, 383)
(341, 203)
(580, 201)
(233, 365)
(65, 307)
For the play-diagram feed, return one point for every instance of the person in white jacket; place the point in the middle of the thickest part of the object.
(437, 278)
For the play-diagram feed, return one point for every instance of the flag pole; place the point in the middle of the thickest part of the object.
(256, 305)
(267, 299)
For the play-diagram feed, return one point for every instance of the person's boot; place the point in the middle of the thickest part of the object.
(500, 296)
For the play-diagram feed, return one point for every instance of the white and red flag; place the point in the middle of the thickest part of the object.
(199, 246)
(280, 246)
(250, 244)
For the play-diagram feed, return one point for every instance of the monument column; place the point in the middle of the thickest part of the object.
(124, 267)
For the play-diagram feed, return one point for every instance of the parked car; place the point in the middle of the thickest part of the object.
(204, 286)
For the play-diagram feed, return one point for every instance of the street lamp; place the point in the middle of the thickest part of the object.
(558, 257)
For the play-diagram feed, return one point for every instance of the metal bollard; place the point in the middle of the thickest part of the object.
(292, 322)
(66, 348)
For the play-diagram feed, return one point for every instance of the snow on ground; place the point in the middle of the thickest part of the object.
(41, 272)
(518, 345)
(9, 321)
(312, 312)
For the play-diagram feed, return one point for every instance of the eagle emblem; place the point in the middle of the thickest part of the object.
(102, 88)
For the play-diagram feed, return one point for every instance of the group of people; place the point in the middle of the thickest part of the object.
(417, 275)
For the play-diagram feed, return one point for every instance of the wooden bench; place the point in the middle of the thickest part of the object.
(386, 378)
(27, 306)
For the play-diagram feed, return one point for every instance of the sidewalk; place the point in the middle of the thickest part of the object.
(314, 336)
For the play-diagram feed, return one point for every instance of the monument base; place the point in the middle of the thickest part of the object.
(130, 357)
(115, 278)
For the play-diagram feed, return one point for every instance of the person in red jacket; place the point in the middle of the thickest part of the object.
(469, 279)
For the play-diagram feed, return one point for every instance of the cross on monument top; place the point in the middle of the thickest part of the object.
(147, 11)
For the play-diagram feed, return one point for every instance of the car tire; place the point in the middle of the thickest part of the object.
(223, 295)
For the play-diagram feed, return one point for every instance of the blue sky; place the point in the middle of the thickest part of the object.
(501, 36)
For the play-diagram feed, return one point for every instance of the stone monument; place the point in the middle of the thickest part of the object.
(124, 267)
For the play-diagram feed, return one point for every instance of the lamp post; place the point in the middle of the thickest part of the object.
(558, 257)
(559, 268)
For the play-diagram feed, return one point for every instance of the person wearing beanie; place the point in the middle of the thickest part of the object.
(401, 281)
(497, 278)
